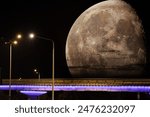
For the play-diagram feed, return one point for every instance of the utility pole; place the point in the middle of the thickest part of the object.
(0, 75)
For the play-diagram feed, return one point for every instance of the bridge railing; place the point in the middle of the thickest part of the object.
(87, 82)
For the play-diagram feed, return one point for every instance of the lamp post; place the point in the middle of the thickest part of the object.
(0, 76)
(10, 66)
(38, 73)
(31, 35)
(11, 43)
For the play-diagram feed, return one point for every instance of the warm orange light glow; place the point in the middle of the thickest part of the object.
(19, 36)
(15, 42)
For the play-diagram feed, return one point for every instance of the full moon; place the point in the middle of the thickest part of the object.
(106, 40)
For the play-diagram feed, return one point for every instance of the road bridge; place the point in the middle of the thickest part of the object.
(32, 86)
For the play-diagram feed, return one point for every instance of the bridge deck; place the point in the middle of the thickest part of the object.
(34, 87)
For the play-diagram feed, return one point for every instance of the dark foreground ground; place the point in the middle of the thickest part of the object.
(80, 95)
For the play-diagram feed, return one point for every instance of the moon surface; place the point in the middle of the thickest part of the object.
(106, 40)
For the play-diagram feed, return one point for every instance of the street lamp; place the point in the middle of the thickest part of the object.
(11, 43)
(31, 36)
(38, 73)
(19, 36)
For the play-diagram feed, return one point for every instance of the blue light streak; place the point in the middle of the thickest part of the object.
(33, 93)
(77, 88)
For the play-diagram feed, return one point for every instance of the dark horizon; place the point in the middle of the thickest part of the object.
(51, 19)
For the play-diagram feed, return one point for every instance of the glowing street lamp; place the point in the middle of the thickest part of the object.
(35, 70)
(38, 73)
(19, 36)
(11, 43)
(31, 36)
(15, 42)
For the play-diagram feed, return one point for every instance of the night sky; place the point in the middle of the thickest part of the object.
(51, 19)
